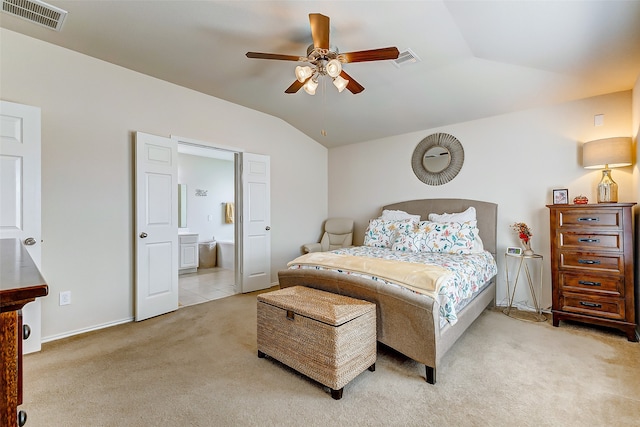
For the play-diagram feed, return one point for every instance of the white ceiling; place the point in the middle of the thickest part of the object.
(478, 58)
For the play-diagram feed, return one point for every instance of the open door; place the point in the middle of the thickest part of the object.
(20, 214)
(156, 231)
(255, 222)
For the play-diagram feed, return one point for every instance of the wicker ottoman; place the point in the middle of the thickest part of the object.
(328, 337)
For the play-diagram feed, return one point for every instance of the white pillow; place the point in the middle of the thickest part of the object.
(398, 215)
(468, 215)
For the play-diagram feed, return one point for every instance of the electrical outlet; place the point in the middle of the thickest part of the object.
(65, 298)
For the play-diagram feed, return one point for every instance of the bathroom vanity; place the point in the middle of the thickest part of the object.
(188, 248)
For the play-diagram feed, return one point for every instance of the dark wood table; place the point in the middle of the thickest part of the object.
(20, 283)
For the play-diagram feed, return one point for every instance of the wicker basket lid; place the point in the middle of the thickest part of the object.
(325, 307)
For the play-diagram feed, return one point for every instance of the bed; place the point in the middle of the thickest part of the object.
(409, 320)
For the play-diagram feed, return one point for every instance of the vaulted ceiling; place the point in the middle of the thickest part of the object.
(476, 58)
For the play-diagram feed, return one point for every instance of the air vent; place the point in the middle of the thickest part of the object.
(405, 58)
(36, 11)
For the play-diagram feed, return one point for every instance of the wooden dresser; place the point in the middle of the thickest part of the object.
(592, 265)
(20, 283)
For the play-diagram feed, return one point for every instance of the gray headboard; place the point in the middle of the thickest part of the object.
(486, 212)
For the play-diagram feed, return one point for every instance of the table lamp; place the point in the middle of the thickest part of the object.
(605, 154)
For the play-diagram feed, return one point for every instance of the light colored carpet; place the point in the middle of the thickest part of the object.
(198, 366)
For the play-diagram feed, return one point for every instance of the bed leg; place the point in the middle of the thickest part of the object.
(431, 374)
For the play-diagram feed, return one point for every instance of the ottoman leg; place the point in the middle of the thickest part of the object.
(372, 368)
(337, 394)
(260, 354)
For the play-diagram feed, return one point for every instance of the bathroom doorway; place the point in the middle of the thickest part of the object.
(206, 177)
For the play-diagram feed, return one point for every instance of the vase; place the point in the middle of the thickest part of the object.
(527, 248)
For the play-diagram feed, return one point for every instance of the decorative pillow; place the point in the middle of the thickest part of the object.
(446, 237)
(380, 233)
(468, 215)
(398, 215)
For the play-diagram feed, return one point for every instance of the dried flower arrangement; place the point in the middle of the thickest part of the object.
(523, 230)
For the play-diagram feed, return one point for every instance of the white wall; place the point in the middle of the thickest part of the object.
(90, 110)
(205, 214)
(515, 160)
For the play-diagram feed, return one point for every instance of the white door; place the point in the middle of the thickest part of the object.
(20, 194)
(255, 222)
(156, 231)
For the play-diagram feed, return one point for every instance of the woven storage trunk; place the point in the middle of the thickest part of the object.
(328, 337)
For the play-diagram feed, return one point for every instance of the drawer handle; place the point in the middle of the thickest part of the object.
(26, 331)
(587, 283)
(591, 304)
(290, 315)
(586, 240)
(588, 261)
(22, 418)
(588, 219)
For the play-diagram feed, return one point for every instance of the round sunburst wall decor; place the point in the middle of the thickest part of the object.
(437, 159)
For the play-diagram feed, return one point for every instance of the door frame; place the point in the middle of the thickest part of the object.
(198, 147)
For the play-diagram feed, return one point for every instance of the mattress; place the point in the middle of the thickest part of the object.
(469, 274)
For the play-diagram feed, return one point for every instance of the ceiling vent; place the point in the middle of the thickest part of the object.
(405, 58)
(36, 11)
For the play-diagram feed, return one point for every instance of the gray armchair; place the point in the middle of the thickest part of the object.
(338, 233)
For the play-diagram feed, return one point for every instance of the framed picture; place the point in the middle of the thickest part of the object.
(561, 197)
(514, 251)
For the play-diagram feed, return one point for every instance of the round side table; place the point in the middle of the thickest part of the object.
(526, 263)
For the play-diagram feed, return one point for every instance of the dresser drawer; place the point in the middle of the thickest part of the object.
(591, 218)
(611, 241)
(594, 262)
(611, 308)
(604, 285)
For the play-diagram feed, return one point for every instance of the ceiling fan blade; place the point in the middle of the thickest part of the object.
(353, 86)
(260, 55)
(319, 30)
(295, 86)
(370, 55)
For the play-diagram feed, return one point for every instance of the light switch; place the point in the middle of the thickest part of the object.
(598, 120)
(210, 218)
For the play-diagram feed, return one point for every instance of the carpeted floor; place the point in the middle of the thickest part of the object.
(198, 367)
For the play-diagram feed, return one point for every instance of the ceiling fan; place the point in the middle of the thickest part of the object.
(325, 60)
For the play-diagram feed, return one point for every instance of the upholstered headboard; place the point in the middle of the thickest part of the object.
(486, 212)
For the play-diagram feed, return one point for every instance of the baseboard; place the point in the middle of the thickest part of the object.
(85, 330)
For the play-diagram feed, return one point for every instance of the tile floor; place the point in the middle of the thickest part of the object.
(205, 285)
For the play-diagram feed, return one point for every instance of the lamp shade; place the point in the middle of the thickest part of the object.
(310, 86)
(334, 68)
(608, 152)
(303, 73)
(340, 83)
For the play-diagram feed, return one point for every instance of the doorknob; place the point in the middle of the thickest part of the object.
(267, 228)
(29, 241)
(143, 235)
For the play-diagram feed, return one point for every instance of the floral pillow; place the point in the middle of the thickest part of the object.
(446, 237)
(381, 232)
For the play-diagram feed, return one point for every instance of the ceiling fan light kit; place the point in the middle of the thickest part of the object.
(325, 60)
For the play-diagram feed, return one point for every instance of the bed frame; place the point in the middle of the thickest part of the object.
(407, 322)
